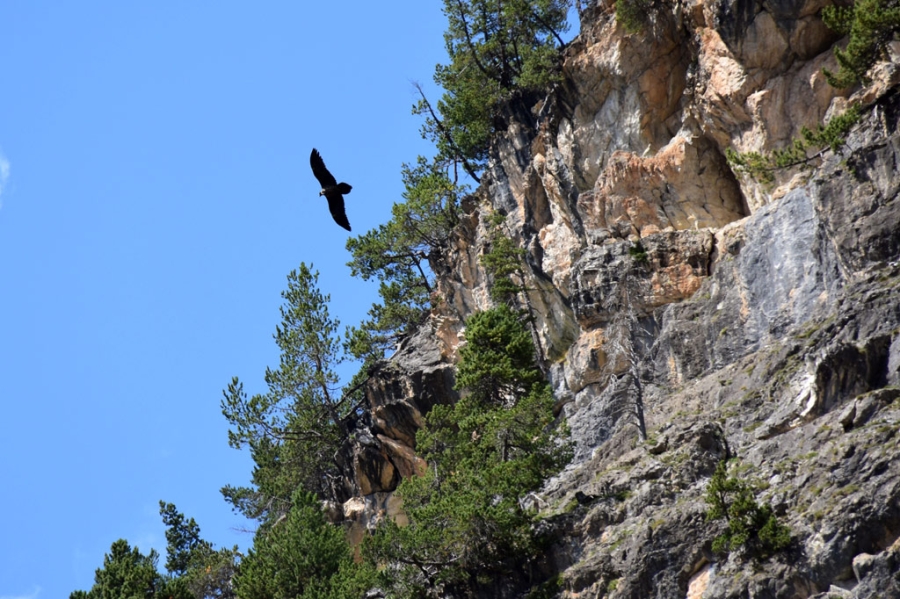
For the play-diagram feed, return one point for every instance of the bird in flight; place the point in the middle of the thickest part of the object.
(331, 189)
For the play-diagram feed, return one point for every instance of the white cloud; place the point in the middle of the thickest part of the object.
(37, 590)
(4, 177)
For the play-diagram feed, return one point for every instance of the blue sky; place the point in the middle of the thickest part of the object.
(155, 191)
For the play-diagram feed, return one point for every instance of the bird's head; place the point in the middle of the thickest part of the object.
(321, 192)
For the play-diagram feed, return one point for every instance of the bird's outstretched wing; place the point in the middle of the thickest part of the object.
(336, 207)
(325, 178)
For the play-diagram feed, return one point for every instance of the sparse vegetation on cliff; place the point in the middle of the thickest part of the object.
(870, 25)
(503, 261)
(401, 256)
(832, 136)
(751, 527)
(634, 15)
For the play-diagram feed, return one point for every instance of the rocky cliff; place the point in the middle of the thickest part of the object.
(685, 312)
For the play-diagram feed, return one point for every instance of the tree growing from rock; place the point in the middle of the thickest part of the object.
(751, 527)
(870, 26)
(297, 430)
(401, 256)
(503, 261)
(465, 516)
(497, 49)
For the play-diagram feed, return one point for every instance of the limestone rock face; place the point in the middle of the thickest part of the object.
(723, 316)
(398, 397)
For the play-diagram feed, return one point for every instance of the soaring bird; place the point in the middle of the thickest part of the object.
(331, 189)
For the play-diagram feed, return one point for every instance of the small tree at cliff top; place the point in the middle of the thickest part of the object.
(497, 48)
(401, 254)
(466, 520)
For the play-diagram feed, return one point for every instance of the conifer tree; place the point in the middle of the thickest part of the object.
(302, 557)
(205, 571)
(870, 25)
(497, 49)
(127, 573)
(402, 254)
(751, 528)
(297, 430)
(466, 519)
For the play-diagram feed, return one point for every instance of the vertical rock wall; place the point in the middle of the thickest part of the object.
(748, 319)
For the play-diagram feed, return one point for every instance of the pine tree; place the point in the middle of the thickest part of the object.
(870, 25)
(484, 453)
(127, 573)
(206, 572)
(297, 430)
(497, 49)
(752, 528)
(401, 255)
(302, 556)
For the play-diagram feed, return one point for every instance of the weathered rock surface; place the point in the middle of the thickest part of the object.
(398, 397)
(723, 316)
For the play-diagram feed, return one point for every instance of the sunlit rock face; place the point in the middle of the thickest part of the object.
(670, 294)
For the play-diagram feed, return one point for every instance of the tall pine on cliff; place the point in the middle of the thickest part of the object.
(296, 430)
(496, 50)
(484, 454)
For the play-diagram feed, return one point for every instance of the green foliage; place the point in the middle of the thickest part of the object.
(633, 15)
(128, 574)
(204, 571)
(497, 362)
(484, 454)
(871, 25)
(496, 50)
(502, 261)
(301, 556)
(297, 429)
(831, 136)
(751, 527)
(210, 574)
(638, 253)
(182, 538)
(401, 255)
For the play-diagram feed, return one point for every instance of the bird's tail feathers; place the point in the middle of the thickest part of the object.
(344, 188)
